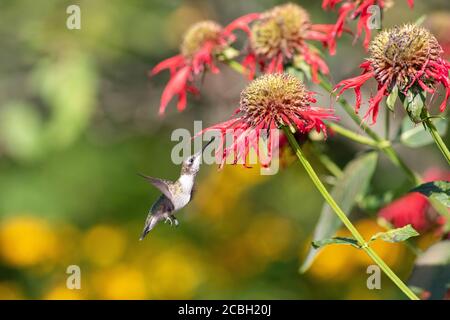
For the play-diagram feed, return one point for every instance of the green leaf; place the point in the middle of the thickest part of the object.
(396, 235)
(336, 240)
(349, 188)
(415, 136)
(414, 103)
(68, 87)
(390, 101)
(21, 130)
(439, 190)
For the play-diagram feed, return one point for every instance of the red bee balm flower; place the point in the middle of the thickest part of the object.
(406, 57)
(268, 103)
(280, 35)
(356, 9)
(414, 208)
(200, 44)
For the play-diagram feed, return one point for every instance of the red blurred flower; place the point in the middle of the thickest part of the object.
(408, 57)
(200, 44)
(268, 103)
(356, 9)
(281, 35)
(414, 208)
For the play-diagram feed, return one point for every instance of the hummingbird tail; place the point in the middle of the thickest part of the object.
(149, 225)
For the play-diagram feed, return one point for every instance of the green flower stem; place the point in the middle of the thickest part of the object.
(342, 216)
(353, 136)
(388, 149)
(437, 138)
(387, 126)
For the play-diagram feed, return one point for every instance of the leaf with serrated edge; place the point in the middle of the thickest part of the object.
(396, 235)
(336, 240)
(350, 187)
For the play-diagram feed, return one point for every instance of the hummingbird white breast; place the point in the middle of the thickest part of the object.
(186, 183)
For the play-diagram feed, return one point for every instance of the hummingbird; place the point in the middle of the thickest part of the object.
(175, 194)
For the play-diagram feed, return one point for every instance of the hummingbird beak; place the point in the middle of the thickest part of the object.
(209, 142)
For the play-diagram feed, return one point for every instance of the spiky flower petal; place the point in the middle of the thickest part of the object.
(407, 57)
(280, 35)
(200, 44)
(268, 103)
(357, 10)
(398, 55)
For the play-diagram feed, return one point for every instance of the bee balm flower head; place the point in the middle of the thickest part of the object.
(201, 43)
(268, 103)
(280, 35)
(406, 57)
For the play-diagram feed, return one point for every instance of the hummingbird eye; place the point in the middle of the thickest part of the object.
(191, 160)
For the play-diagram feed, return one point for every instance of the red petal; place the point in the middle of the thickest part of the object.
(355, 82)
(170, 63)
(250, 65)
(374, 103)
(409, 209)
(182, 101)
(241, 23)
(176, 85)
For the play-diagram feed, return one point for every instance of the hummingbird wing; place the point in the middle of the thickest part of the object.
(162, 185)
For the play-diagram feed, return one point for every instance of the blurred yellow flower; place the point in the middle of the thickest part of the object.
(427, 239)
(175, 273)
(69, 241)
(334, 262)
(269, 236)
(104, 245)
(224, 190)
(338, 262)
(10, 291)
(63, 293)
(121, 282)
(26, 241)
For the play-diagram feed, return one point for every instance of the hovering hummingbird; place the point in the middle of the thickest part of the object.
(175, 194)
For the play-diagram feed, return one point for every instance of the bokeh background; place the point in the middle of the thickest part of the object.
(78, 120)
